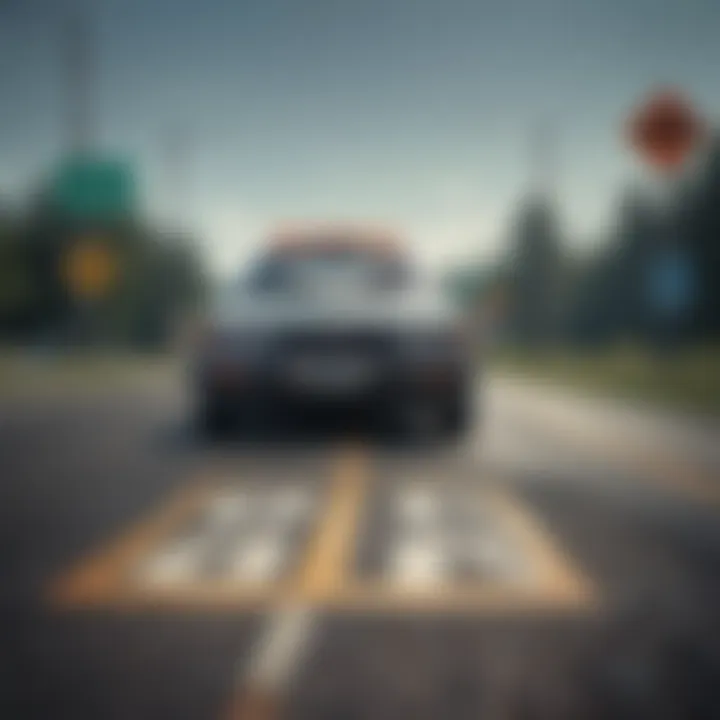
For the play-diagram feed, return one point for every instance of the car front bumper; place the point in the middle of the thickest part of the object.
(238, 384)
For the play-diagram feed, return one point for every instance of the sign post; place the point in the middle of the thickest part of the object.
(94, 195)
(664, 131)
(89, 269)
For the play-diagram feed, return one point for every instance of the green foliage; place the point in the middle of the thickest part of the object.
(158, 277)
(535, 271)
(16, 282)
(603, 298)
(687, 379)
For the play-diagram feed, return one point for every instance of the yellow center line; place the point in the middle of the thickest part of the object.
(103, 578)
(550, 583)
(326, 575)
(322, 576)
(324, 572)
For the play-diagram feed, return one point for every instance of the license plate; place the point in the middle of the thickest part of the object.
(331, 374)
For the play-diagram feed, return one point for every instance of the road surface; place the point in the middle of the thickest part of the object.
(561, 563)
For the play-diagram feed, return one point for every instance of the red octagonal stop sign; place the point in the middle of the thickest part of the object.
(665, 130)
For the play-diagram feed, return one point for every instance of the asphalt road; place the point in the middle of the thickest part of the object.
(561, 563)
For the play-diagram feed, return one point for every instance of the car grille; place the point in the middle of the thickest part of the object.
(327, 343)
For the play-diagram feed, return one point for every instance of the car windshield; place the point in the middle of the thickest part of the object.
(342, 268)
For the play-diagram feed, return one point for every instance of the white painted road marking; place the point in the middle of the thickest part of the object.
(245, 534)
(277, 653)
(258, 560)
(175, 564)
(439, 535)
(261, 685)
(431, 544)
(417, 563)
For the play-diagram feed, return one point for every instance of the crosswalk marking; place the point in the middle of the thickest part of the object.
(245, 535)
(226, 542)
(174, 564)
(417, 563)
(259, 561)
(445, 535)
(417, 505)
(405, 543)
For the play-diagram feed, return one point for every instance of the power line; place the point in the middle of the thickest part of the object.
(175, 148)
(81, 70)
(543, 160)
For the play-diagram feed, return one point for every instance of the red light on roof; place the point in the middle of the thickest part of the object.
(300, 237)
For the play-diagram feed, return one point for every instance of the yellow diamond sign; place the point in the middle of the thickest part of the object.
(90, 268)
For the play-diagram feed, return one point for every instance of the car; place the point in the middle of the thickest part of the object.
(335, 318)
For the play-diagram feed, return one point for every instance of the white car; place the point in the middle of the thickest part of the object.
(339, 320)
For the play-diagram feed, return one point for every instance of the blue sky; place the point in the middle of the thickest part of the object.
(413, 112)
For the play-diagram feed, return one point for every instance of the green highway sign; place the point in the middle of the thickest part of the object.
(91, 188)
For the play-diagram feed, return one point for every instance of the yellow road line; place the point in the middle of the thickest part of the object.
(99, 578)
(325, 575)
(105, 578)
(324, 572)
(558, 576)
(322, 576)
(324, 582)
(555, 585)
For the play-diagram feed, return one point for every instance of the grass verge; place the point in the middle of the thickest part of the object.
(25, 373)
(686, 379)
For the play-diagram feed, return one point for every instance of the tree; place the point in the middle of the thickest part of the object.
(535, 271)
(157, 278)
(631, 251)
(17, 289)
(700, 223)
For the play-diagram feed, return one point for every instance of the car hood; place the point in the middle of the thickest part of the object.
(390, 310)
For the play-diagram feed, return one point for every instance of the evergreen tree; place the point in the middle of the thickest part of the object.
(535, 271)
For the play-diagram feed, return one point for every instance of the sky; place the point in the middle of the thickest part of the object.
(418, 114)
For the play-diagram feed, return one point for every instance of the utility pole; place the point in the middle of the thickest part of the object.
(78, 39)
(537, 245)
(543, 160)
(176, 157)
(81, 71)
